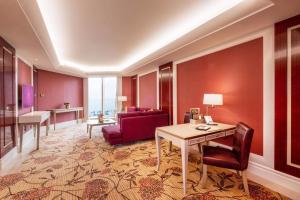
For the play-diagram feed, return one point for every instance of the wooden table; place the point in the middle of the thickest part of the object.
(65, 110)
(35, 118)
(95, 122)
(185, 135)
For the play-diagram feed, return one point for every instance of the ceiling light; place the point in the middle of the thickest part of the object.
(165, 36)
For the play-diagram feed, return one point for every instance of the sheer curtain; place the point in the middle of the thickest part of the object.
(102, 92)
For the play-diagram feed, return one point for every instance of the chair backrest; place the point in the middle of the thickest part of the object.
(186, 117)
(242, 140)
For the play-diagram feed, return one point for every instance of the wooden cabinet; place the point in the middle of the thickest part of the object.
(7, 97)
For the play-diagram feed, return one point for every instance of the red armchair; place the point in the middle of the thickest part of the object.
(237, 158)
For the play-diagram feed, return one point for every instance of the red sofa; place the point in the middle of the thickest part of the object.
(135, 126)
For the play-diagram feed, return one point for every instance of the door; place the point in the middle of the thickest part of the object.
(133, 90)
(8, 118)
(287, 96)
(166, 89)
(2, 126)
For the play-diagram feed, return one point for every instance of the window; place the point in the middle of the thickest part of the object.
(109, 96)
(102, 92)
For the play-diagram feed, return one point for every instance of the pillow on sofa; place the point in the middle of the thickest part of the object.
(132, 109)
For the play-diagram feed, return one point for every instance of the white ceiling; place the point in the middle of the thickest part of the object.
(90, 36)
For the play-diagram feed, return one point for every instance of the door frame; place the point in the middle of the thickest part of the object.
(167, 66)
(281, 91)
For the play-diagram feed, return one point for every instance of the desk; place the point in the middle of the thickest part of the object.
(35, 118)
(65, 110)
(185, 135)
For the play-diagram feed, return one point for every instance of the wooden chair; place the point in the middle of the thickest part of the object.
(237, 158)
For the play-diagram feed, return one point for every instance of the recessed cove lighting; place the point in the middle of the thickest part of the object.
(201, 12)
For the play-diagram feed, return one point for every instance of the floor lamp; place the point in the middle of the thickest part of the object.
(122, 99)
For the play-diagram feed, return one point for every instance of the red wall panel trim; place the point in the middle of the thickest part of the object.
(148, 90)
(235, 72)
(281, 96)
(126, 90)
(54, 89)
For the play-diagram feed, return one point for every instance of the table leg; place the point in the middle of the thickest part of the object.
(47, 126)
(87, 128)
(184, 158)
(157, 139)
(54, 119)
(38, 136)
(21, 137)
(90, 131)
(77, 116)
(34, 131)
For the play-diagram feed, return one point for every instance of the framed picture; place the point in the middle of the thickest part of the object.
(195, 113)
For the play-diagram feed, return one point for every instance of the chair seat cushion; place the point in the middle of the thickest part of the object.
(220, 157)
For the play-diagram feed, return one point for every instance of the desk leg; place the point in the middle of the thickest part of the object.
(90, 131)
(38, 136)
(157, 139)
(21, 137)
(184, 158)
(47, 126)
(54, 119)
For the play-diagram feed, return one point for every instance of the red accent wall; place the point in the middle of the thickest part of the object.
(57, 89)
(24, 77)
(126, 90)
(148, 90)
(235, 72)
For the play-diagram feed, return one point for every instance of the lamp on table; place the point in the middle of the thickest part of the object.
(122, 99)
(211, 100)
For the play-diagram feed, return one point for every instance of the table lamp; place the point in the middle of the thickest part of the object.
(212, 100)
(122, 99)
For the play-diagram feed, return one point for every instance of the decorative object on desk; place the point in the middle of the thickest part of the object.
(194, 112)
(122, 99)
(211, 100)
(202, 128)
(67, 105)
(208, 120)
(101, 117)
(195, 121)
(194, 116)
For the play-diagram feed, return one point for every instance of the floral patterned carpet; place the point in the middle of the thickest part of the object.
(71, 166)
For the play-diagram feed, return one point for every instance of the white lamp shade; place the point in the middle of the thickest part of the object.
(213, 99)
(122, 98)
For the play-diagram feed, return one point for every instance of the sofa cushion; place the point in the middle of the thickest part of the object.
(143, 109)
(156, 112)
(131, 109)
(110, 132)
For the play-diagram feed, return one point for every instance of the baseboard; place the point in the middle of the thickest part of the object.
(62, 124)
(283, 183)
(275, 180)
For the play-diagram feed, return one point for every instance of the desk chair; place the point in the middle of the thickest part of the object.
(237, 158)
